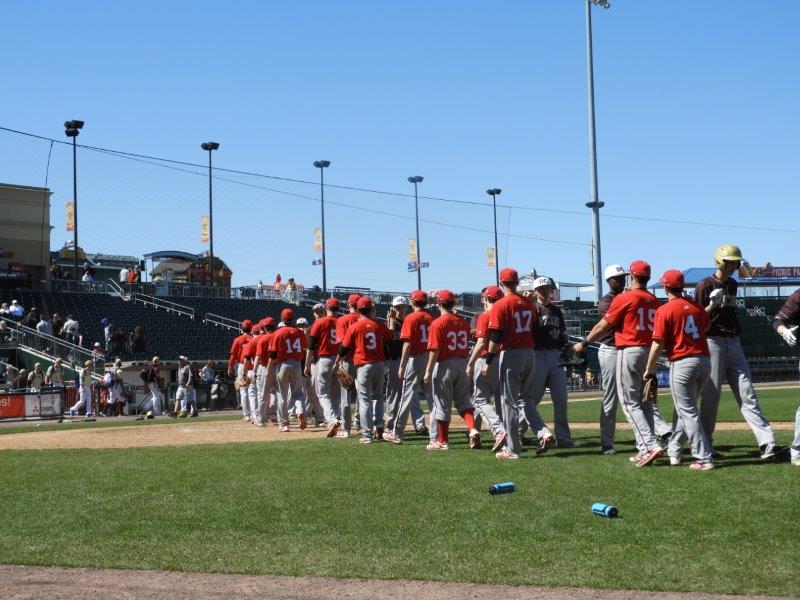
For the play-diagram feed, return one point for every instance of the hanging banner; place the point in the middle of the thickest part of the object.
(316, 262)
(412, 250)
(317, 239)
(491, 259)
(70, 216)
(204, 227)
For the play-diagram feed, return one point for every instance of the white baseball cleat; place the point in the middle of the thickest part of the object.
(675, 461)
(333, 428)
(283, 428)
(499, 440)
(544, 444)
(474, 439)
(701, 465)
(437, 445)
(635, 458)
(391, 436)
(796, 461)
(506, 454)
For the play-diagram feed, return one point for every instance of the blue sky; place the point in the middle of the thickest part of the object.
(698, 116)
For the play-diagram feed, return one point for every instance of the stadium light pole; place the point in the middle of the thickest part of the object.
(210, 147)
(417, 179)
(494, 192)
(594, 203)
(322, 165)
(72, 129)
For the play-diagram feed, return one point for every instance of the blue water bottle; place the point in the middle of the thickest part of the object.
(503, 488)
(605, 510)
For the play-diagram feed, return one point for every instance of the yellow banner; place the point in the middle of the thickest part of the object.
(204, 226)
(317, 239)
(412, 249)
(70, 216)
(491, 259)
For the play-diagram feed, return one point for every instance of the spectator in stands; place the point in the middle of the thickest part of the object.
(278, 286)
(36, 378)
(134, 276)
(292, 285)
(55, 270)
(44, 326)
(138, 343)
(5, 333)
(87, 276)
(20, 380)
(58, 324)
(70, 331)
(118, 343)
(4, 310)
(55, 375)
(108, 331)
(97, 353)
(2, 372)
(16, 311)
(123, 274)
(207, 374)
(31, 319)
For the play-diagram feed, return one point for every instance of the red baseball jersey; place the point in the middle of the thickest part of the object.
(482, 331)
(681, 325)
(514, 317)
(632, 314)
(366, 339)
(249, 350)
(344, 323)
(289, 343)
(449, 335)
(415, 330)
(324, 331)
(262, 348)
(236, 349)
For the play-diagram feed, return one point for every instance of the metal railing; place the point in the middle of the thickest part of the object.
(52, 347)
(221, 321)
(166, 305)
(115, 289)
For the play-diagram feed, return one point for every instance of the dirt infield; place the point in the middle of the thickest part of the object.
(187, 433)
(54, 582)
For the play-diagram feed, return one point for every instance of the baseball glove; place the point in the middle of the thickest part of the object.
(650, 389)
(345, 379)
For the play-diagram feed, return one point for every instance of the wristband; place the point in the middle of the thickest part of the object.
(489, 358)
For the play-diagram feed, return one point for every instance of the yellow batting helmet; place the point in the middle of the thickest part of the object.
(727, 252)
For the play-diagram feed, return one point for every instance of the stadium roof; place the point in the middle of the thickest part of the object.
(164, 254)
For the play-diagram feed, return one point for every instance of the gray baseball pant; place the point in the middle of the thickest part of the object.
(369, 382)
(327, 388)
(290, 390)
(687, 376)
(550, 375)
(486, 394)
(310, 394)
(631, 363)
(728, 363)
(517, 379)
(451, 386)
(795, 447)
(607, 355)
(244, 398)
(347, 397)
(394, 395)
(262, 393)
(252, 395)
(414, 376)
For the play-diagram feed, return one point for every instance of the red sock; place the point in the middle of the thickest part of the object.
(444, 431)
(467, 415)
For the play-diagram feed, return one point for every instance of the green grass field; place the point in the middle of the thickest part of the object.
(335, 508)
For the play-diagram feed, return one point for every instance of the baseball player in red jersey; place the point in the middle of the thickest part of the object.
(631, 315)
(347, 396)
(680, 328)
(511, 325)
(414, 358)
(248, 356)
(287, 347)
(265, 381)
(486, 388)
(786, 323)
(235, 362)
(313, 405)
(448, 345)
(322, 350)
(366, 339)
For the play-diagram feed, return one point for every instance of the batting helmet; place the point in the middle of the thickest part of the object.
(727, 252)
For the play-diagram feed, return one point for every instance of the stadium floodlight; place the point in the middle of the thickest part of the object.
(416, 180)
(322, 165)
(494, 192)
(209, 147)
(72, 130)
(594, 203)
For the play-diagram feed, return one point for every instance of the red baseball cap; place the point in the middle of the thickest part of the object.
(332, 303)
(673, 279)
(287, 314)
(509, 275)
(445, 296)
(365, 302)
(493, 292)
(247, 324)
(419, 296)
(640, 268)
(268, 322)
(352, 299)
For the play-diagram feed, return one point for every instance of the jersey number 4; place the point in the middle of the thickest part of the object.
(690, 327)
(647, 317)
(296, 346)
(523, 320)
